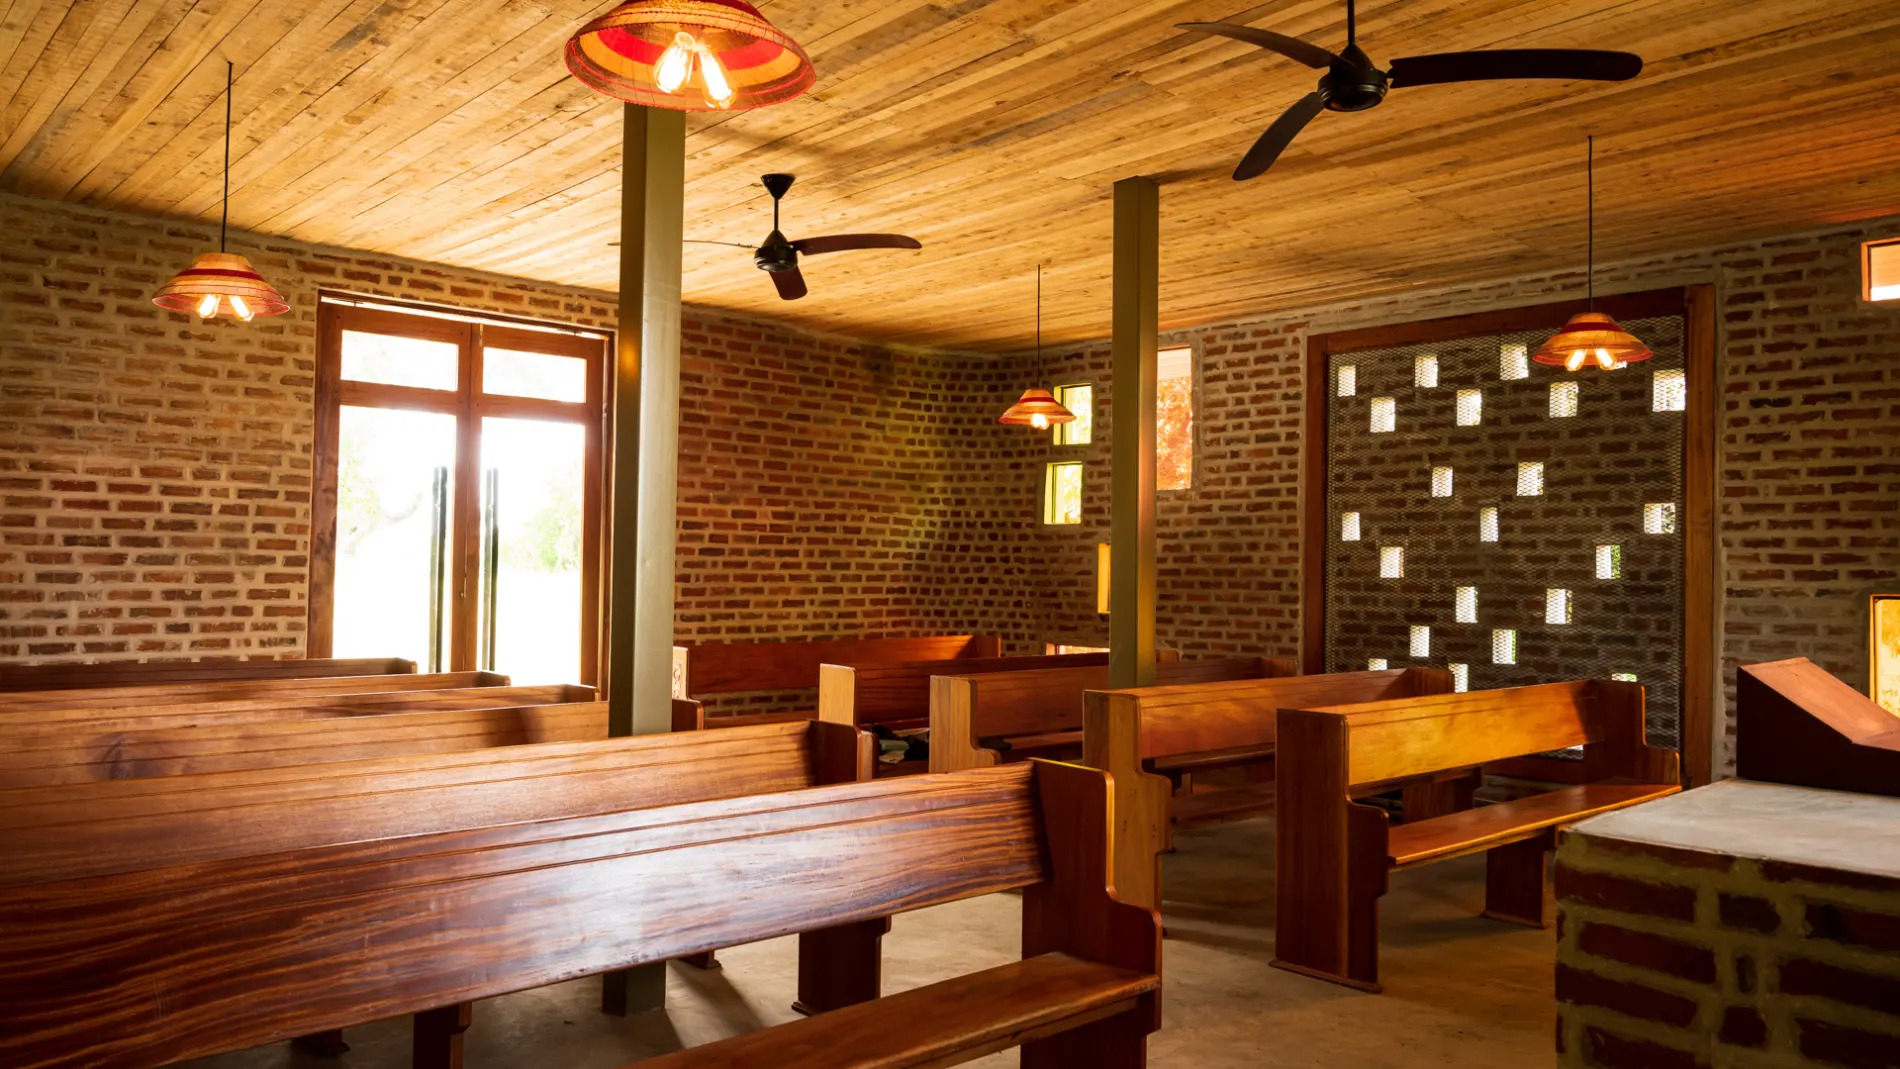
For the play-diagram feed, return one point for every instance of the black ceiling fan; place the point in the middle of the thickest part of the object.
(1353, 83)
(778, 256)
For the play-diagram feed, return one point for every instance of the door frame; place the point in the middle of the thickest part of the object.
(472, 335)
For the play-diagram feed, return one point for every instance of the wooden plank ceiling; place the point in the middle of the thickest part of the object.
(990, 129)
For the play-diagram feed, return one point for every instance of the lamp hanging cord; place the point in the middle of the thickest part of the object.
(1590, 179)
(224, 216)
(1041, 376)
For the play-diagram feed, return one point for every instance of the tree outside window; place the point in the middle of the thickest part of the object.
(1174, 420)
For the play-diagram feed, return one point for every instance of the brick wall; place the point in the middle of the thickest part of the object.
(1808, 501)
(1671, 958)
(155, 471)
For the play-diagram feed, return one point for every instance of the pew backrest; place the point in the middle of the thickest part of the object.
(403, 925)
(740, 667)
(65, 676)
(70, 720)
(967, 710)
(242, 690)
(897, 696)
(219, 747)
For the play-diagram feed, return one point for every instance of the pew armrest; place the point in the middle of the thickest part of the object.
(957, 1020)
(1474, 830)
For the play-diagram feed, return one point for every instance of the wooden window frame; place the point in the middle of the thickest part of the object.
(1701, 638)
(472, 335)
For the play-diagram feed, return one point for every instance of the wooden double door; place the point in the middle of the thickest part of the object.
(457, 507)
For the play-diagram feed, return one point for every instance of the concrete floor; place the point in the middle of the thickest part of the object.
(1459, 990)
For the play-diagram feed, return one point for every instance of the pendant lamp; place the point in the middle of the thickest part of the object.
(222, 283)
(689, 55)
(1592, 338)
(1037, 407)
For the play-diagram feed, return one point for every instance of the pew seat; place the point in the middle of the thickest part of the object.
(1477, 830)
(941, 1024)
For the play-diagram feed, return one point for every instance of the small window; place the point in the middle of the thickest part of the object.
(1441, 482)
(1460, 677)
(543, 375)
(1563, 399)
(1079, 400)
(1609, 562)
(1487, 525)
(1530, 479)
(1503, 646)
(1425, 372)
(1880, 270)
(1470, 408)
(1623, 677)
(1514, 362)
(1375, 664)
(1347, 379)
(1421, 641)
(1659, 519)
(1057, 649)
(1556, 606)
(1349, 527)
(1174, 419)
(1465, 605)
(1385, 415)
(1669, 391)
(1103, 560)
(398, 361)
(1062, 493)
(1391, 562)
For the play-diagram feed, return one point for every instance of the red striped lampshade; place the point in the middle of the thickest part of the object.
(1037, 408)
(221, 283)
(1591, 339)
(689, 55)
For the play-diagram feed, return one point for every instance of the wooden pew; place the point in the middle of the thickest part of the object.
(712, 668)
(221, 747)
(70, 721)
(19, 677)
(897, 696)
(1203, 725)
(1036, 711)
(1796, 723)
(239, 690)
(1333, 856)
(185, 941)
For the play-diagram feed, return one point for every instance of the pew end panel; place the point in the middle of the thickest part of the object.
(954, 745)
(1112, 742)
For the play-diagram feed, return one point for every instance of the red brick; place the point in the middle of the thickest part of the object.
(1631, 999)
(1854, 927)
(1805, 976)
(1749, 912)
(1851, 1048)
(1612, 1051)
(1743, 1026)
(1625, 895)
(1647, 950)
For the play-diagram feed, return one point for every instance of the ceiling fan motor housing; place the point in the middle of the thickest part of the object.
(777, 254)
(1353, 83)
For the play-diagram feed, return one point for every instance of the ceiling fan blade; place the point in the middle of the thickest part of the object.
(791, 284)
(1278, 136)
(846, 242)
(702, 241)
(1516, 63)
(1291, 47)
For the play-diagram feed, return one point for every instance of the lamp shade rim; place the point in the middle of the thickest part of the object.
(617, 55)
(1036, 401)
(223, 275)
(1598, 337)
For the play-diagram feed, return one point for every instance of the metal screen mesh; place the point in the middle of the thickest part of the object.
(1581, 577)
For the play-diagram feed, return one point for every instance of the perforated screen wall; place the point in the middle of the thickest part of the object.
(1578, 572)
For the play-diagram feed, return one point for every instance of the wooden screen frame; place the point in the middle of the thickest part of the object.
(1701, 668)
(472, 335)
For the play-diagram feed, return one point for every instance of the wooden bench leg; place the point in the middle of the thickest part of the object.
(700, 961)
(1438, 797)
(841, 966)
(323, 1044)
(437, 1042)
(634, 990)
(1118, 1042)
(1516, 881)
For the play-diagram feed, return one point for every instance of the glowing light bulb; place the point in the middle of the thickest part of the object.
(1577, 357)
(676, 63)
(718, 89)
(1605, 360)
(207, 306)
(240, 309)
(1039, 421)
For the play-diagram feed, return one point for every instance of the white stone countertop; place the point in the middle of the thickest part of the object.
(1768, 821)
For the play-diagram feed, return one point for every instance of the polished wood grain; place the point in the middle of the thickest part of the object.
(178, 751)
(18, 677)
(737, 667)
(1333, 855)
(32, 725)
(451, 133)
(897, 695)
(1040, 710)
(154, 694)
(1796, 723)
(411, 924)
(1132, 732)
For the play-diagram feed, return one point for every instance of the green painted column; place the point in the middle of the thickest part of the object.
(1133, 376)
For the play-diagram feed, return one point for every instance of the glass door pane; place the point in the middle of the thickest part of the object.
(533, 499)
(395, 500)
